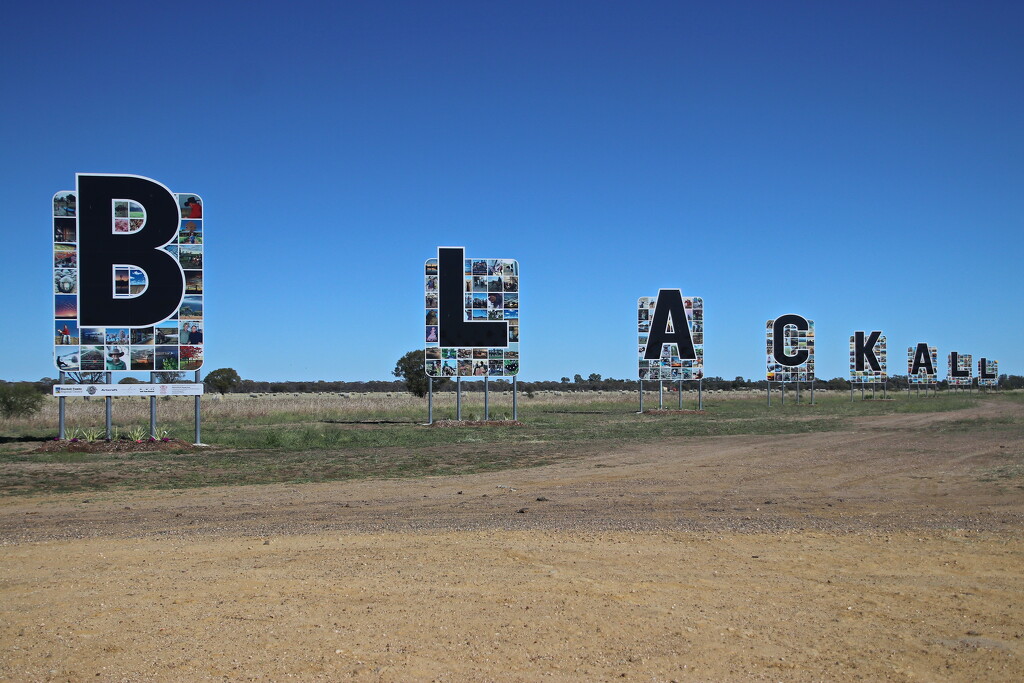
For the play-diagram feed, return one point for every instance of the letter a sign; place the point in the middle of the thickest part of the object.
(127, 276)
(670, 336)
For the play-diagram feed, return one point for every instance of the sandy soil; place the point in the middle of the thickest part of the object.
(891, 551)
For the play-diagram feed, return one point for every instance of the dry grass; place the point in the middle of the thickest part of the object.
(347, 406)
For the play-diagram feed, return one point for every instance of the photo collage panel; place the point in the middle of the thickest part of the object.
(964, 363)
(867, 375)
(922, 376)
(490, 293)
(669, 367)
(793, 340)
(987, 366)
(173, 344)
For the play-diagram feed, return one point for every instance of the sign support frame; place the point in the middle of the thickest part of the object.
(515, 398)
(430, 400)
(60, 410)
(109, 401)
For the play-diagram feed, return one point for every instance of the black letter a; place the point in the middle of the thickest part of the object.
(669, 307)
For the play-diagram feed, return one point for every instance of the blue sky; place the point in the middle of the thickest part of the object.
(857, 163)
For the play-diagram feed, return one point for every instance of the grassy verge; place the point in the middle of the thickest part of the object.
(297, 439)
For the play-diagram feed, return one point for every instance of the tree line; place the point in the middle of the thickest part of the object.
(410, 377)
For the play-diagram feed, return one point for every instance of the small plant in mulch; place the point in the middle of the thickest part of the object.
(137, 434)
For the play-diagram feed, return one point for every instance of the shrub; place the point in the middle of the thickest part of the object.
(17, 400)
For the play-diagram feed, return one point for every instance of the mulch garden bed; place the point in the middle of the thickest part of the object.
(113, 446)
(477, 423)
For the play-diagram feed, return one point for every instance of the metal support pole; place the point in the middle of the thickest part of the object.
(782, 386)
(515, 398)
(769, 394)
(60, 410)
(430, 400)
(110, 407)
(661, 395)
(812, 392)
(851, 392)
(679, 391)
(641, 396)
(487, 395)
(700, 394)
(152, 409)
(198, 418)
(458, 398)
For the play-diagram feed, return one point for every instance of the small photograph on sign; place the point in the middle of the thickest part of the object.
(93, 336)
(166, 358)
(64, 204)
(191, 357)
(67, 333)
(65, 281)
(116, 335)
(190, 256)
(191, 232)
(141, 358)
(191, 308)
(116, 360)
(121, 280)
(166, 334)
(136, 281)
(194, 281)
(92, 358)
(190, 205)
(191, 333)
(65, 230)
(142, 336)
(65, 306)
(65, 256)
(68, 358)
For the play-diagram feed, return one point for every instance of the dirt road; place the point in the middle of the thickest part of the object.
(890, 551)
